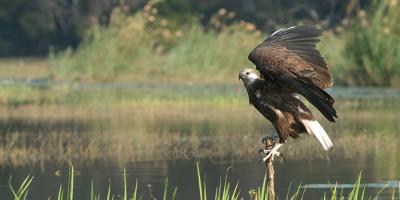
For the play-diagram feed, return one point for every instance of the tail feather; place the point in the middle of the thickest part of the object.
(317, 97)
(314, 128)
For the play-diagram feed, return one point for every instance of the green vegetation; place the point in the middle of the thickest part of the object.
(144, 48)
(372, 46)
(183, 123)
(26, 68)
(23, 189)
(138, 49)
(32, 28)
(223, 191)
(154, 44)
(62, 124)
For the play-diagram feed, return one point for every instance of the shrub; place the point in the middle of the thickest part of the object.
(372, 46)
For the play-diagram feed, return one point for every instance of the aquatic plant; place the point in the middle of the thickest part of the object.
(224, 191)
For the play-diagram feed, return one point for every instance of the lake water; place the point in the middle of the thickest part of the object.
(184, 117)
(315, 174)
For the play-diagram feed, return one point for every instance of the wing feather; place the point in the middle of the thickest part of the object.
(295, 49)
(290, 57)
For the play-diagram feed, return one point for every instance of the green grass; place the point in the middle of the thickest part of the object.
(224, 191)
(115, 125)
(22, 192)
(24, 67)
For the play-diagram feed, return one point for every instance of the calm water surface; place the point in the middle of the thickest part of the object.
(182, 174)
(377, 170)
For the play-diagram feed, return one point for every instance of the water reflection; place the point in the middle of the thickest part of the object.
(386, 184)
(318, 176)
(98, 137)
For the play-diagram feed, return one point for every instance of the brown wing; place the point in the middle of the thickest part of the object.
(290, 57)
(293, 52)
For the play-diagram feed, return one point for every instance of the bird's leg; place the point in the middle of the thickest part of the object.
(273, 152)
(270, 141)
(272, 145)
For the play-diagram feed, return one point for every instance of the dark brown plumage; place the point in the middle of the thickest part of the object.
(290, 64)
(293, 51)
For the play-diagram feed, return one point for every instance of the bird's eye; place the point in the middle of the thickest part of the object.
(247, 73)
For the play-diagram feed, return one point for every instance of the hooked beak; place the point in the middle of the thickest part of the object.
(240, 74)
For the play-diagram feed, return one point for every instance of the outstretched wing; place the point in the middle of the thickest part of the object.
(292, 52)
(290, 57)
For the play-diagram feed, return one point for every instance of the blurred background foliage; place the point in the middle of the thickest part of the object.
(30, 27)
(197, 41)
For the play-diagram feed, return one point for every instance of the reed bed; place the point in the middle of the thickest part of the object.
(130, 128)
(21, 149)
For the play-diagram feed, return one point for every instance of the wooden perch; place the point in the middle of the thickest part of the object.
(269, 143)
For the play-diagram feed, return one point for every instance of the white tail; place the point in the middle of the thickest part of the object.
(314, 128)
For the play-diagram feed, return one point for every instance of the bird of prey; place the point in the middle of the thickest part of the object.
(289, 65)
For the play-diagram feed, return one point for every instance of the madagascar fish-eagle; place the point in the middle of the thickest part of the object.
(290, 65)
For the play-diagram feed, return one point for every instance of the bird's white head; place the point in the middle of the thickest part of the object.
(248, 76)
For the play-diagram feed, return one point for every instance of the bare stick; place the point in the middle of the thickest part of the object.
(270, 169)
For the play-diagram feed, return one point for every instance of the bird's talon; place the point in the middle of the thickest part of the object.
(261, 150)
(265, 151)
(264, 140)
